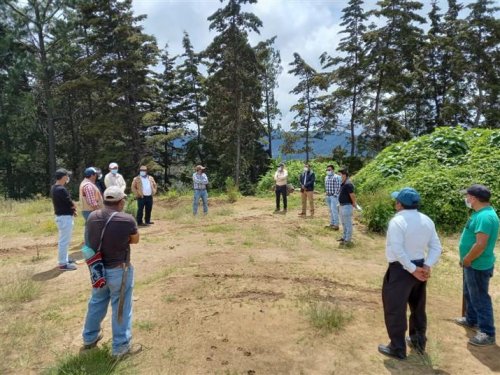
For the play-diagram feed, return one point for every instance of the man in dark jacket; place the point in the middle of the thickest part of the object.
(307, 179)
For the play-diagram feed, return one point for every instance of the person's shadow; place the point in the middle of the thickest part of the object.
(487, 355)
(54, 272)
(47, 275)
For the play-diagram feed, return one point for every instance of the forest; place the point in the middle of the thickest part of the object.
(80, 86)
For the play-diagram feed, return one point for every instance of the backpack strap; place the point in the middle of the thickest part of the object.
(103, 230)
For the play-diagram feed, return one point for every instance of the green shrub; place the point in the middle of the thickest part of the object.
(231, 190)
(438, 166)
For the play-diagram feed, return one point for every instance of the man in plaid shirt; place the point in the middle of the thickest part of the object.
(332, 191)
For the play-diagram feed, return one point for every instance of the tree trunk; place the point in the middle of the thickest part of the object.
(353, 119)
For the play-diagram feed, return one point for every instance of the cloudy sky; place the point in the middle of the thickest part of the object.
(309, 27)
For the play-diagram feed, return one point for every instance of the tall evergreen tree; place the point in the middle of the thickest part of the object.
(391, 53)
(233, 126)
(270, 61)
(483, 60)
(192, 90)
(309, 107)
(349, 76)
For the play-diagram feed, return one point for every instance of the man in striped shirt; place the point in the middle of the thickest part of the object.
(332, 191)
(90, 196)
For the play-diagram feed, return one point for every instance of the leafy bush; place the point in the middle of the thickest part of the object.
(438, 166)
(231, 190)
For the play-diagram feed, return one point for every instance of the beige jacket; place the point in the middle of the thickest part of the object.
(137, 186)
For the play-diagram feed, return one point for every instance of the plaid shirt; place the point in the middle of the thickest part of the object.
(332, 185)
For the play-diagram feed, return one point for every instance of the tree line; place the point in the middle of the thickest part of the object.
(78, 88)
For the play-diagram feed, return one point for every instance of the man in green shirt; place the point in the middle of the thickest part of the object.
(477, 256)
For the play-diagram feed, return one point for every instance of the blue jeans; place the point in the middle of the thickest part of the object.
(65, 227)
(198, 193)
(346, 216)
(332, 203)
(479, 307)
(98, 307)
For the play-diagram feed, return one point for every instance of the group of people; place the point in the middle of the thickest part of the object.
(412, 249)
(339, 197)
(110, 231)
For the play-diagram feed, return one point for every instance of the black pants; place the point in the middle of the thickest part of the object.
(401, 288)
(281, 190)
(144, 202)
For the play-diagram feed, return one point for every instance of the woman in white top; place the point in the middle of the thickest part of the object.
(281, 179)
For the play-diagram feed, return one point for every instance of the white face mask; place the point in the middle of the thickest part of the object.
(467, 203)
(67, 181)
(306, 169)
(329, 173)
(143, 173)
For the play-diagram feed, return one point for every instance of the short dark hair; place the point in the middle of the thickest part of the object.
(410, 207)
(344, 171)
(112, 204)
(331, 166)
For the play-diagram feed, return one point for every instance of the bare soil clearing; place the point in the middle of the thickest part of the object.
(227, 294)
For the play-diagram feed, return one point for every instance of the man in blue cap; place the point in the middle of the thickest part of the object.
(477, 256)
(409, 235)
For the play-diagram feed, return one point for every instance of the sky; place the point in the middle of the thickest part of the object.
(309, 27)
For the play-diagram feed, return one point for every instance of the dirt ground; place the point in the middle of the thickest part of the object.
(228, 294)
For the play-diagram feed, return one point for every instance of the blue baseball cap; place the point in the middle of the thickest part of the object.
(89, 172)
(407, 196)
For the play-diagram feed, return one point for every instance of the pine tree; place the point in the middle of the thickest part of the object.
(482, 52)
(310, 105)
(270, 61)
(233, 127)
(349, 76)
(391, 57)
(191, 87)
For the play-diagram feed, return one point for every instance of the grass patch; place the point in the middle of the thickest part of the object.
(169, 298)
(144, 325)
(94, 361)
(326, 317)
(23, 289)
(156, 277)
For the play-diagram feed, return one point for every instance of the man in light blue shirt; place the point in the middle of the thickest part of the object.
(409, 235)
(200, 182)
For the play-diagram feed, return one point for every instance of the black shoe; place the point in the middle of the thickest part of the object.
(414, 345)
(94, 344)
(142, 225)
(151, 222)
(390, 352)
(340, 240)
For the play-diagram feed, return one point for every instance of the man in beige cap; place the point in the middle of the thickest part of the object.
(113, 178)
(200, 182)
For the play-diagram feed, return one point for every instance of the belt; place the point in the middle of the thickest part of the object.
(331, 195)
(200, 189)
(345, 204)
(417, 262)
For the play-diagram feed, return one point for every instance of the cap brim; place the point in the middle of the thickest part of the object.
(463, 191)
(394, 194)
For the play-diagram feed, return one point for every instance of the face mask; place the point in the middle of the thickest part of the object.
(280, 168)
(143, 173)
(306, 169)
(114, 171)
(67, 181)
(329, 173)
(467, 203)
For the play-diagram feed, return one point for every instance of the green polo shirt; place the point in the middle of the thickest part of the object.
(483, 221)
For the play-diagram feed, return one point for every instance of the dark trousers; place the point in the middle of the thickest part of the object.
(144, 202)
(281, 190)
(478, 301)
(400, 288)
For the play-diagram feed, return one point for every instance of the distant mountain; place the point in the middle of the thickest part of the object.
(321, 144)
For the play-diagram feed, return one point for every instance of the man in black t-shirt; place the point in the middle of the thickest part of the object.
(347, 202)
(65, 210)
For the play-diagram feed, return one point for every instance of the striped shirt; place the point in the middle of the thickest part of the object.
(89, 194)
(200, 181)
(332, 185)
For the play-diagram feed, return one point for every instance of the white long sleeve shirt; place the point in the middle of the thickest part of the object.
(412, 235)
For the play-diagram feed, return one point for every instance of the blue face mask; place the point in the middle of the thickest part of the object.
(329, 173)
(114, 171)
(143, 173)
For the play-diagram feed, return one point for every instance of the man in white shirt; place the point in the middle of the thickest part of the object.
(113, 178)
(200, 182)
(409, 235)
(144, 187)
